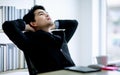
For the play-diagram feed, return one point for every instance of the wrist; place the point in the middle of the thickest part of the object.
(56, 24)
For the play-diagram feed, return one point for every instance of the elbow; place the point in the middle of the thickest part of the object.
(5, 25)
(75, 23)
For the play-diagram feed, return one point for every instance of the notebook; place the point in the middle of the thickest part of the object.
(83, 69)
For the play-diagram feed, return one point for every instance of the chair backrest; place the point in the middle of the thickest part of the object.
(32, 70)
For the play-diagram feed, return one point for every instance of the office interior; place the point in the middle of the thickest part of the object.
(98, 29)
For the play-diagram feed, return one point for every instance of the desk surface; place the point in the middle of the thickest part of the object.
(66, 72)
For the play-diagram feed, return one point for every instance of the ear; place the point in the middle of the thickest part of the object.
(33, 24)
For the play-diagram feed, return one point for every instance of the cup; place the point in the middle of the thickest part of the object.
(102, 60)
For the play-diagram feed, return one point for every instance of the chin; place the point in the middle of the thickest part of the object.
(51, 23)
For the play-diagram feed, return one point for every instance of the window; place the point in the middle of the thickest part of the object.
(106, 29)
(113, 31)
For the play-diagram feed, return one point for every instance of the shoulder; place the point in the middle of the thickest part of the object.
(36, 34)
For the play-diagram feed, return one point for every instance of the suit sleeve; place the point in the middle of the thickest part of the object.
(69, 26)
(13, 29)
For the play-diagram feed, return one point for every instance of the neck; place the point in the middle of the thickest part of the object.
(44, 29)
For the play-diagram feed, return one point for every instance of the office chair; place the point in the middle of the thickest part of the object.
(31, 68)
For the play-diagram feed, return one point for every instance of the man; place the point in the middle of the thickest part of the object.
(45, 50)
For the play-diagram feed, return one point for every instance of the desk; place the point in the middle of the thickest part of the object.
(66, 72)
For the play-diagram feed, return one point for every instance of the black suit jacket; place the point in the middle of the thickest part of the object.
(46, 51)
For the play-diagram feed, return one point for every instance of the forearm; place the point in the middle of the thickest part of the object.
(69, 26)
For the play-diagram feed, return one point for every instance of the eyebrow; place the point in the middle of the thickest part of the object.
(40, 12)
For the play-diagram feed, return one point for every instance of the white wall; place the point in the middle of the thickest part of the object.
(83, 40)
(58, 9)
(17, 3)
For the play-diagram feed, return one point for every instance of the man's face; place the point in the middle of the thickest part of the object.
(42, 19)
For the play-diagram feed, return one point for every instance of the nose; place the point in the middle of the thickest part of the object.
(47, 15)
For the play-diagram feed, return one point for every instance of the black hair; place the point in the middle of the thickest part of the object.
(29, 17)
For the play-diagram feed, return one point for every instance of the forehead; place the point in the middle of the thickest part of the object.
(39, 11)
